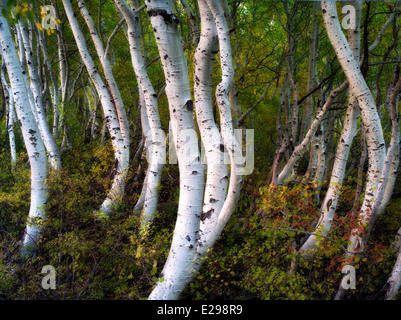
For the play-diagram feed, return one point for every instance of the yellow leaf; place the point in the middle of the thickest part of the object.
(39, 26)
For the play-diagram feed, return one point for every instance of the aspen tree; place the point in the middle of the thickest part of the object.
(154, 136)
(32, 138)
(176, 270)
(120, 149)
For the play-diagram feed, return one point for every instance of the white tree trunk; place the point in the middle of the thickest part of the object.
(217, 173)
(22, 59)
(300, 149)
(58, 122)
(330, 201)
(226, 125)
(371, 121)
(107, 69)
(391, 163)
(176, 269)
(217, 208)
(370, 118)
(50, 144)
(120, 149)
(394, 282)
(55, 92)
(9, 97)
(155, 136)
(329, 204)
(145, 129)
(33, 141)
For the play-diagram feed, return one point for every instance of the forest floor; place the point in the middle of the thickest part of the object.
(107, 259)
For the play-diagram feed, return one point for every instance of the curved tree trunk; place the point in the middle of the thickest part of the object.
(300, 149)
(55, 92)
(9, 98)
(226, 124)
(155, 136)
(385, 191)
(176, 269)
(329, 204)
(217, 173)
(120, 149)
(371, 121)
(50, 143)
(33, 141)
(111, 82)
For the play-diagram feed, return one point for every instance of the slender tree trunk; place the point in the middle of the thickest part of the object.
(330, 201)
(145, 129)
(54, 153)
(329, 204)
(33, 141)
(111, 82)
(176, 269)
(321, 158)
(315, 146)
(120, 149)
(393, 284)
(9, 98)
(155, 136)
(300, 149)
(386, 187)
(370, 118)
(216, 219)
(55, 92)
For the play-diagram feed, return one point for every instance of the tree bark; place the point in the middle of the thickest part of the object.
(370, 118)
(9, 99)
(329, 204)
(176, 269)
(33, 140)
(155, 138)
(50, 143)
(120, 149)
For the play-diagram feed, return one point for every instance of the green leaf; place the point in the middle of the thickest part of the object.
(10, 5)
(30, 16)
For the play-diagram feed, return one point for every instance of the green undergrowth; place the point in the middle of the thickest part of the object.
(107, 259)
(254, 255)
(93, 259)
